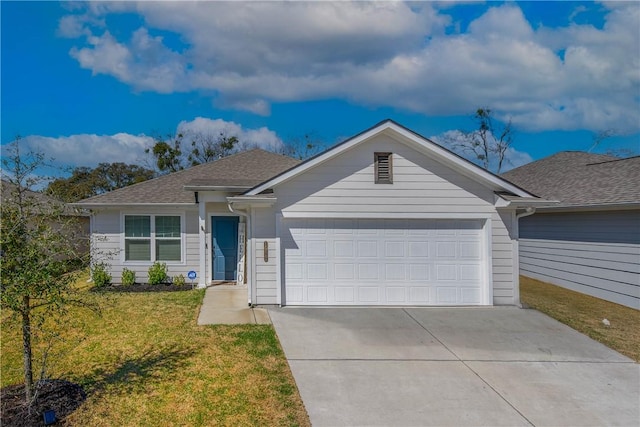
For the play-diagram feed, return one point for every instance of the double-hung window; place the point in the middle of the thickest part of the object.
(152, 238)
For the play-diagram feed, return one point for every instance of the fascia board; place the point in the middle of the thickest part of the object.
(592, 207)
(121, 205)
(458, 163)
(252, 201)
(227, 188)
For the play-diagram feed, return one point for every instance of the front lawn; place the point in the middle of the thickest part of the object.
(585, 314)
(146, 362)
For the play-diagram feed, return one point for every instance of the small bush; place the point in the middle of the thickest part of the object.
(128, 277)
(100, 275)
(158, 273)
(179, 280)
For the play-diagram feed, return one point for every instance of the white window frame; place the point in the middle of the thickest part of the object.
(152, 238)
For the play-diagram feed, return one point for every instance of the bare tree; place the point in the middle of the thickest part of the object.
(487, 145)
(303, 147)
(207, 147)
(598, 137)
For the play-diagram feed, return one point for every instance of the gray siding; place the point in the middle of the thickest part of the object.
(107, 240)
(603, 227)
(265, 271)
(502, 256)
(596, 253)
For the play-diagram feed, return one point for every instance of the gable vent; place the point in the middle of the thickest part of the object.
(383, 168)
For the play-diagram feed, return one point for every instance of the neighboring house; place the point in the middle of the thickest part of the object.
(384, 218)
(590, 241)
(76, 222)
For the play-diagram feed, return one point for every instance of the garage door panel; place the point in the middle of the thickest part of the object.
(395, 272)
(418, 272)
(419, 295)
(343, 249)
(344, 294)
(470, 273)
(294, 294)
(396, 295)
(344, 271)
(383, 262)
(316, 248)
(419, 249)
(317, 294)
(368, 294)
(469, 295)
(445, 272)
(367, 248)
(294, 271)
(446, 295)
(317, 271)
(470, 250)
(446, 250)
(394, 248)
(368, 271)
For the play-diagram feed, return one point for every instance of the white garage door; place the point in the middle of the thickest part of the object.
(383, 262)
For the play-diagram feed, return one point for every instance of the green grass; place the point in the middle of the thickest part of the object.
(146, 362)
(585, 314)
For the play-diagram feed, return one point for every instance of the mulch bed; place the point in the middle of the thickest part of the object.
(145, 287)
(61, 396)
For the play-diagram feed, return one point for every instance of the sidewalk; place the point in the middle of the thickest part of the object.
(228, 305)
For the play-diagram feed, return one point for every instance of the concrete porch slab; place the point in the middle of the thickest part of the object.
(228, 305)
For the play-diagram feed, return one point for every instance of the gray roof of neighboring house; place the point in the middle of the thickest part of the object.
(242, 170)
(8, 189)
(577, 178)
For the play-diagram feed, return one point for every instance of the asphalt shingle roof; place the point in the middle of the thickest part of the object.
(245, 169)
(577, 178)
(8, 191)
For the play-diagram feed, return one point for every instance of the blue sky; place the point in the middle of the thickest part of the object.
(91, 82)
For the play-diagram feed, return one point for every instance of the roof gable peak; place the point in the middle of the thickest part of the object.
(402, 135)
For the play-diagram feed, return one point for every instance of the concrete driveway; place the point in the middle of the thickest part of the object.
(453, 367)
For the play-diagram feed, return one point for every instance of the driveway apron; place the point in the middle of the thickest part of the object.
(452, 367)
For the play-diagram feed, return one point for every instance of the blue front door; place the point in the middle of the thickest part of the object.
(225, 247)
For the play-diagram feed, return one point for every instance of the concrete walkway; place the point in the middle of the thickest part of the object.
(228, 305)
(453, 367)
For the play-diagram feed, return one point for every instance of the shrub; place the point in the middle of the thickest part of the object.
(179, 280)
(128, 277)
(100, 275)
(158, 273)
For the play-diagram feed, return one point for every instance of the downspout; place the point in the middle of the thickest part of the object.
(247, 249)
(529, 211)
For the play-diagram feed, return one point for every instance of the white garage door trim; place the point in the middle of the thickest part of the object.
(484, 265)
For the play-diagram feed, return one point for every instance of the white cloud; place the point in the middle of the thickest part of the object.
(455, 140)
(261, 137)
(91, 149)
(380, 54)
